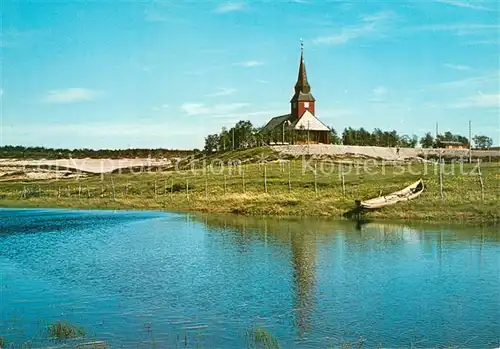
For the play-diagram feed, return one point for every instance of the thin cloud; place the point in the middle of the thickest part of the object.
(380, 91)
(70, 95)
(475, 81)
(457, 66)
(379, 94)
(480, 100)
(160, 107)
(250, 64)
(260, 81)
(14, 38)
(222, 92)
(217, 110)
(484, 42)
(227, 114)
(370, 25)
(114, 131)
(465, 4)
(230, 7)
(460, 28)
(332, 114)
(159, 15)
(151, 16)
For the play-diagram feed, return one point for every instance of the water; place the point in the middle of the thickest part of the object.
(148, 279)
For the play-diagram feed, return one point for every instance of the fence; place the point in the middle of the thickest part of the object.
(318, 179)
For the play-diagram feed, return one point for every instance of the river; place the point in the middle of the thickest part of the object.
(154, 279)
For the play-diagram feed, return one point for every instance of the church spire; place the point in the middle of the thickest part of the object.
(302, 99)
(302, 84)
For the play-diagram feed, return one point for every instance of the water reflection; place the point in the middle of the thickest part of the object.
(303, 237)
(304, 262)
(313, 283)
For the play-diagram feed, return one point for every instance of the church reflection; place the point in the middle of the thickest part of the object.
(301, 239)
(303, 247)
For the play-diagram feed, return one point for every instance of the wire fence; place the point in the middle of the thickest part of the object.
(318, 178)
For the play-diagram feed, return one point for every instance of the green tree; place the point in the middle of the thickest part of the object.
(224, 140)
(377, 137)
(427, 141)
(211, 143)
(406, 141)
(334, 137)
(482, 142)
(450, 137)
(349, 136)
(244, 134)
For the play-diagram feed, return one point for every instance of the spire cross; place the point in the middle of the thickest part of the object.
(301, 45)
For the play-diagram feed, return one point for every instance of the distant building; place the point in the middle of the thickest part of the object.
(300, 126)
(452, 145)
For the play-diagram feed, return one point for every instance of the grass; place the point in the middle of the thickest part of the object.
(256, 337)
(242, 190)
(262, 338)
(64, 330)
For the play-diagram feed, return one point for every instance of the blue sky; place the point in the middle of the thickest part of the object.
(119, 74)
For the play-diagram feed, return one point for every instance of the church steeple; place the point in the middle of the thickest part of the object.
(302, 84)
(302, 99)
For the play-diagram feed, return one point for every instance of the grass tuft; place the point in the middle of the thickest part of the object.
(263, 338)
(64, 330)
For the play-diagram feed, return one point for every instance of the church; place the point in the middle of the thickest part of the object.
(300, 126)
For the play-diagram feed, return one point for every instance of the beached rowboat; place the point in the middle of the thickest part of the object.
(410, 192)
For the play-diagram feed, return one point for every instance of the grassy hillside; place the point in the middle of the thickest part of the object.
(275, 189)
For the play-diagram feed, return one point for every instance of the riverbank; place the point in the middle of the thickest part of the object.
(277, 189)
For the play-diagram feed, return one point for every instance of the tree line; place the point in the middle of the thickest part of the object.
(246, 135)
(21, 152)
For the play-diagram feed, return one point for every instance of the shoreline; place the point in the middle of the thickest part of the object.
(387, 214)
(459, 194)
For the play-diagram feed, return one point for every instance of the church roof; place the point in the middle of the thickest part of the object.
(275, 122)
(303, 97)
(302, 87)
(302, 84)
(309, 122)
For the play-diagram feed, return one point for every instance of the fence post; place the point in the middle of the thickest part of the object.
(243, 179)
(206, 186)
(79, 191)
(88, 192)
(289, 178)
(113, 188)
(171, 187)
(187, 188)
(225, 185)
(480, 178)
(441, 163)
(342, 178)
(265, 178)
(315, 181)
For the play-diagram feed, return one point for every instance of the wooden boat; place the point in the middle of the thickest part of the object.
(410, 192)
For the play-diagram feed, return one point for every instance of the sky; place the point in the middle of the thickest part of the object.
(139, 74)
